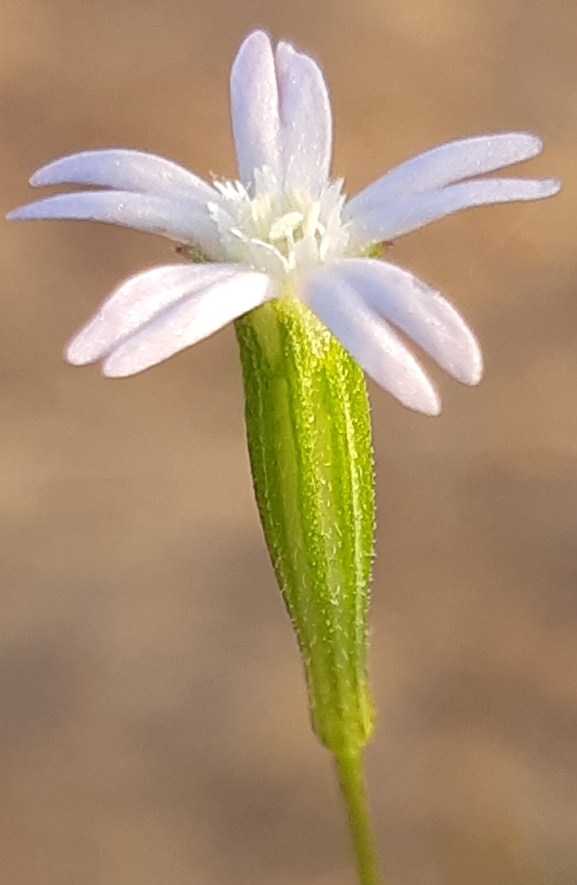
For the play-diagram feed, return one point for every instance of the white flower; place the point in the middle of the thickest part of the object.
(285, 228)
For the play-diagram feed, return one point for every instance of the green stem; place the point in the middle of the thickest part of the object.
(351, 779)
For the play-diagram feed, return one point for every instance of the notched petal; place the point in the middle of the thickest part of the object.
(370, 341)
(136, 302)
(188, 322)
(422, 313)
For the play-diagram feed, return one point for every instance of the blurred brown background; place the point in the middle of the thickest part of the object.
(153, 723)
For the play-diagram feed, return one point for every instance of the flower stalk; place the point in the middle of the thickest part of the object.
(352, 783)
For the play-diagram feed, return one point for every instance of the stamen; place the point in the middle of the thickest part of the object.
(285, 226)
(291, 225)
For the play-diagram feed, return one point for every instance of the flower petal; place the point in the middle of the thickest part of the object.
(182, 220)
(306, 120)
(370, 340)
(254, 108)
(137, 301)
(126, 170)
(449, 163)
(189, 321)
(374, 224)
(420, 312)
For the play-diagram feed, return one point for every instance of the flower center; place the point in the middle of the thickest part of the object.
(280, 231)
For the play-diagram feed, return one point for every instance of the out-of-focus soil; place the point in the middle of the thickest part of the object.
(153, 723)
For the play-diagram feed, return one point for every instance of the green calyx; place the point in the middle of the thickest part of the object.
(309, 438)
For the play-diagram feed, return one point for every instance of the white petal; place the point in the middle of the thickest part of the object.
(182, 220)
(420, 312)
(138, 300)
(449, 163)
(126, 170)
(189, 321)
(306, 120)
(370, 341)
(254, 108)
(385, 222)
